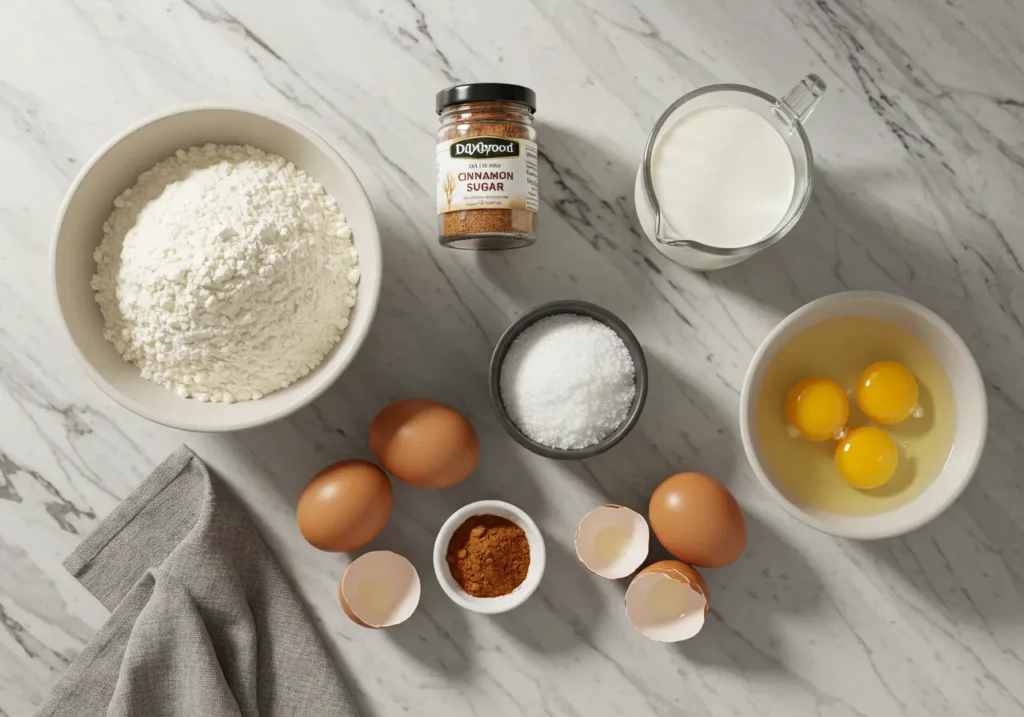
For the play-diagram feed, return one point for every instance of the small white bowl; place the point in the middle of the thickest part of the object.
(495, 605)
(968, 393)
(114, 168)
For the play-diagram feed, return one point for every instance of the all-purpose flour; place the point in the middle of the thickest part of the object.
(225, 273)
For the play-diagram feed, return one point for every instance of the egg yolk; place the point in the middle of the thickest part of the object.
(817, 408)
(866, 457)
(887, 392)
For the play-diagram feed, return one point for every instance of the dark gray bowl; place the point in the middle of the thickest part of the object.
(581, 308)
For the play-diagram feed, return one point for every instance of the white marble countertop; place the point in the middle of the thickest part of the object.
(920, 151)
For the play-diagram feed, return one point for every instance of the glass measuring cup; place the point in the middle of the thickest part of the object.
(786, 115)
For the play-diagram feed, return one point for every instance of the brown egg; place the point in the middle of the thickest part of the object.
(344, 506)
(424, 442)
(697, 520)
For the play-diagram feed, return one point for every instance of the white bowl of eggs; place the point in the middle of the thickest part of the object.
(167, 143)
(863, 414)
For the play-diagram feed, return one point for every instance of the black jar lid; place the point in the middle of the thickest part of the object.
(486, 92)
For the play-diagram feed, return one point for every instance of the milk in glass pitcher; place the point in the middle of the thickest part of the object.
(726, 173)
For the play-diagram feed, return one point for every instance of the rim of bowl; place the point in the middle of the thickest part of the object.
(580, 308)
(327, 380)
(503, 603)
(860, 532)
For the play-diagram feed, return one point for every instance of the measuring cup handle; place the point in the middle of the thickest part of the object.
(802, 99)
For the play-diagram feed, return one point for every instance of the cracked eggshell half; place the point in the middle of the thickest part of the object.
(612, 541)
(668, 601)
(379, 589)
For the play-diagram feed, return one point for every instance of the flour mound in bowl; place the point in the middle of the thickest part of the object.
(225, 273)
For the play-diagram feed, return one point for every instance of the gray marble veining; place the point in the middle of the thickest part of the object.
(919, 146)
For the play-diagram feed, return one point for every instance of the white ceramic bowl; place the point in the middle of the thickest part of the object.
(968, 393)
(115, 168)
(490, 606)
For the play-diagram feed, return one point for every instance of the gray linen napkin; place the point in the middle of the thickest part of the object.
(204, 621)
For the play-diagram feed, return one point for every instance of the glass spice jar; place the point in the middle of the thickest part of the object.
(487, 188)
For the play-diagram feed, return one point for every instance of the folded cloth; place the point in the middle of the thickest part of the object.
(203, 621)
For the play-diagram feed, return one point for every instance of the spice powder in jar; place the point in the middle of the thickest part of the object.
(488, 556)
(487, 184)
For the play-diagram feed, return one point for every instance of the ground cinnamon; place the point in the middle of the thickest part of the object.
(487, 183)
(488, 556)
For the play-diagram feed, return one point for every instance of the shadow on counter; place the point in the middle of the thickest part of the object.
(438, 635)
(681, 429)
(967, 565)
(421, 345)
(768, 585)
(587, 242)
(963, 564)
(848, 240)
(562, 615)
(592, 249)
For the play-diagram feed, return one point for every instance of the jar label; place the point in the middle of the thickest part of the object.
(486, 173)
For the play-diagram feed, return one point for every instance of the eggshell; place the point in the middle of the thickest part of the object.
(379, 589)
(668, 601)
(348, 608)
(681, 571)
(344, 506)
(697, 520)
(425, 443)
(612, 541)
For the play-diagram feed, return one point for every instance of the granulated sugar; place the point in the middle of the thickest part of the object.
(568, 381)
